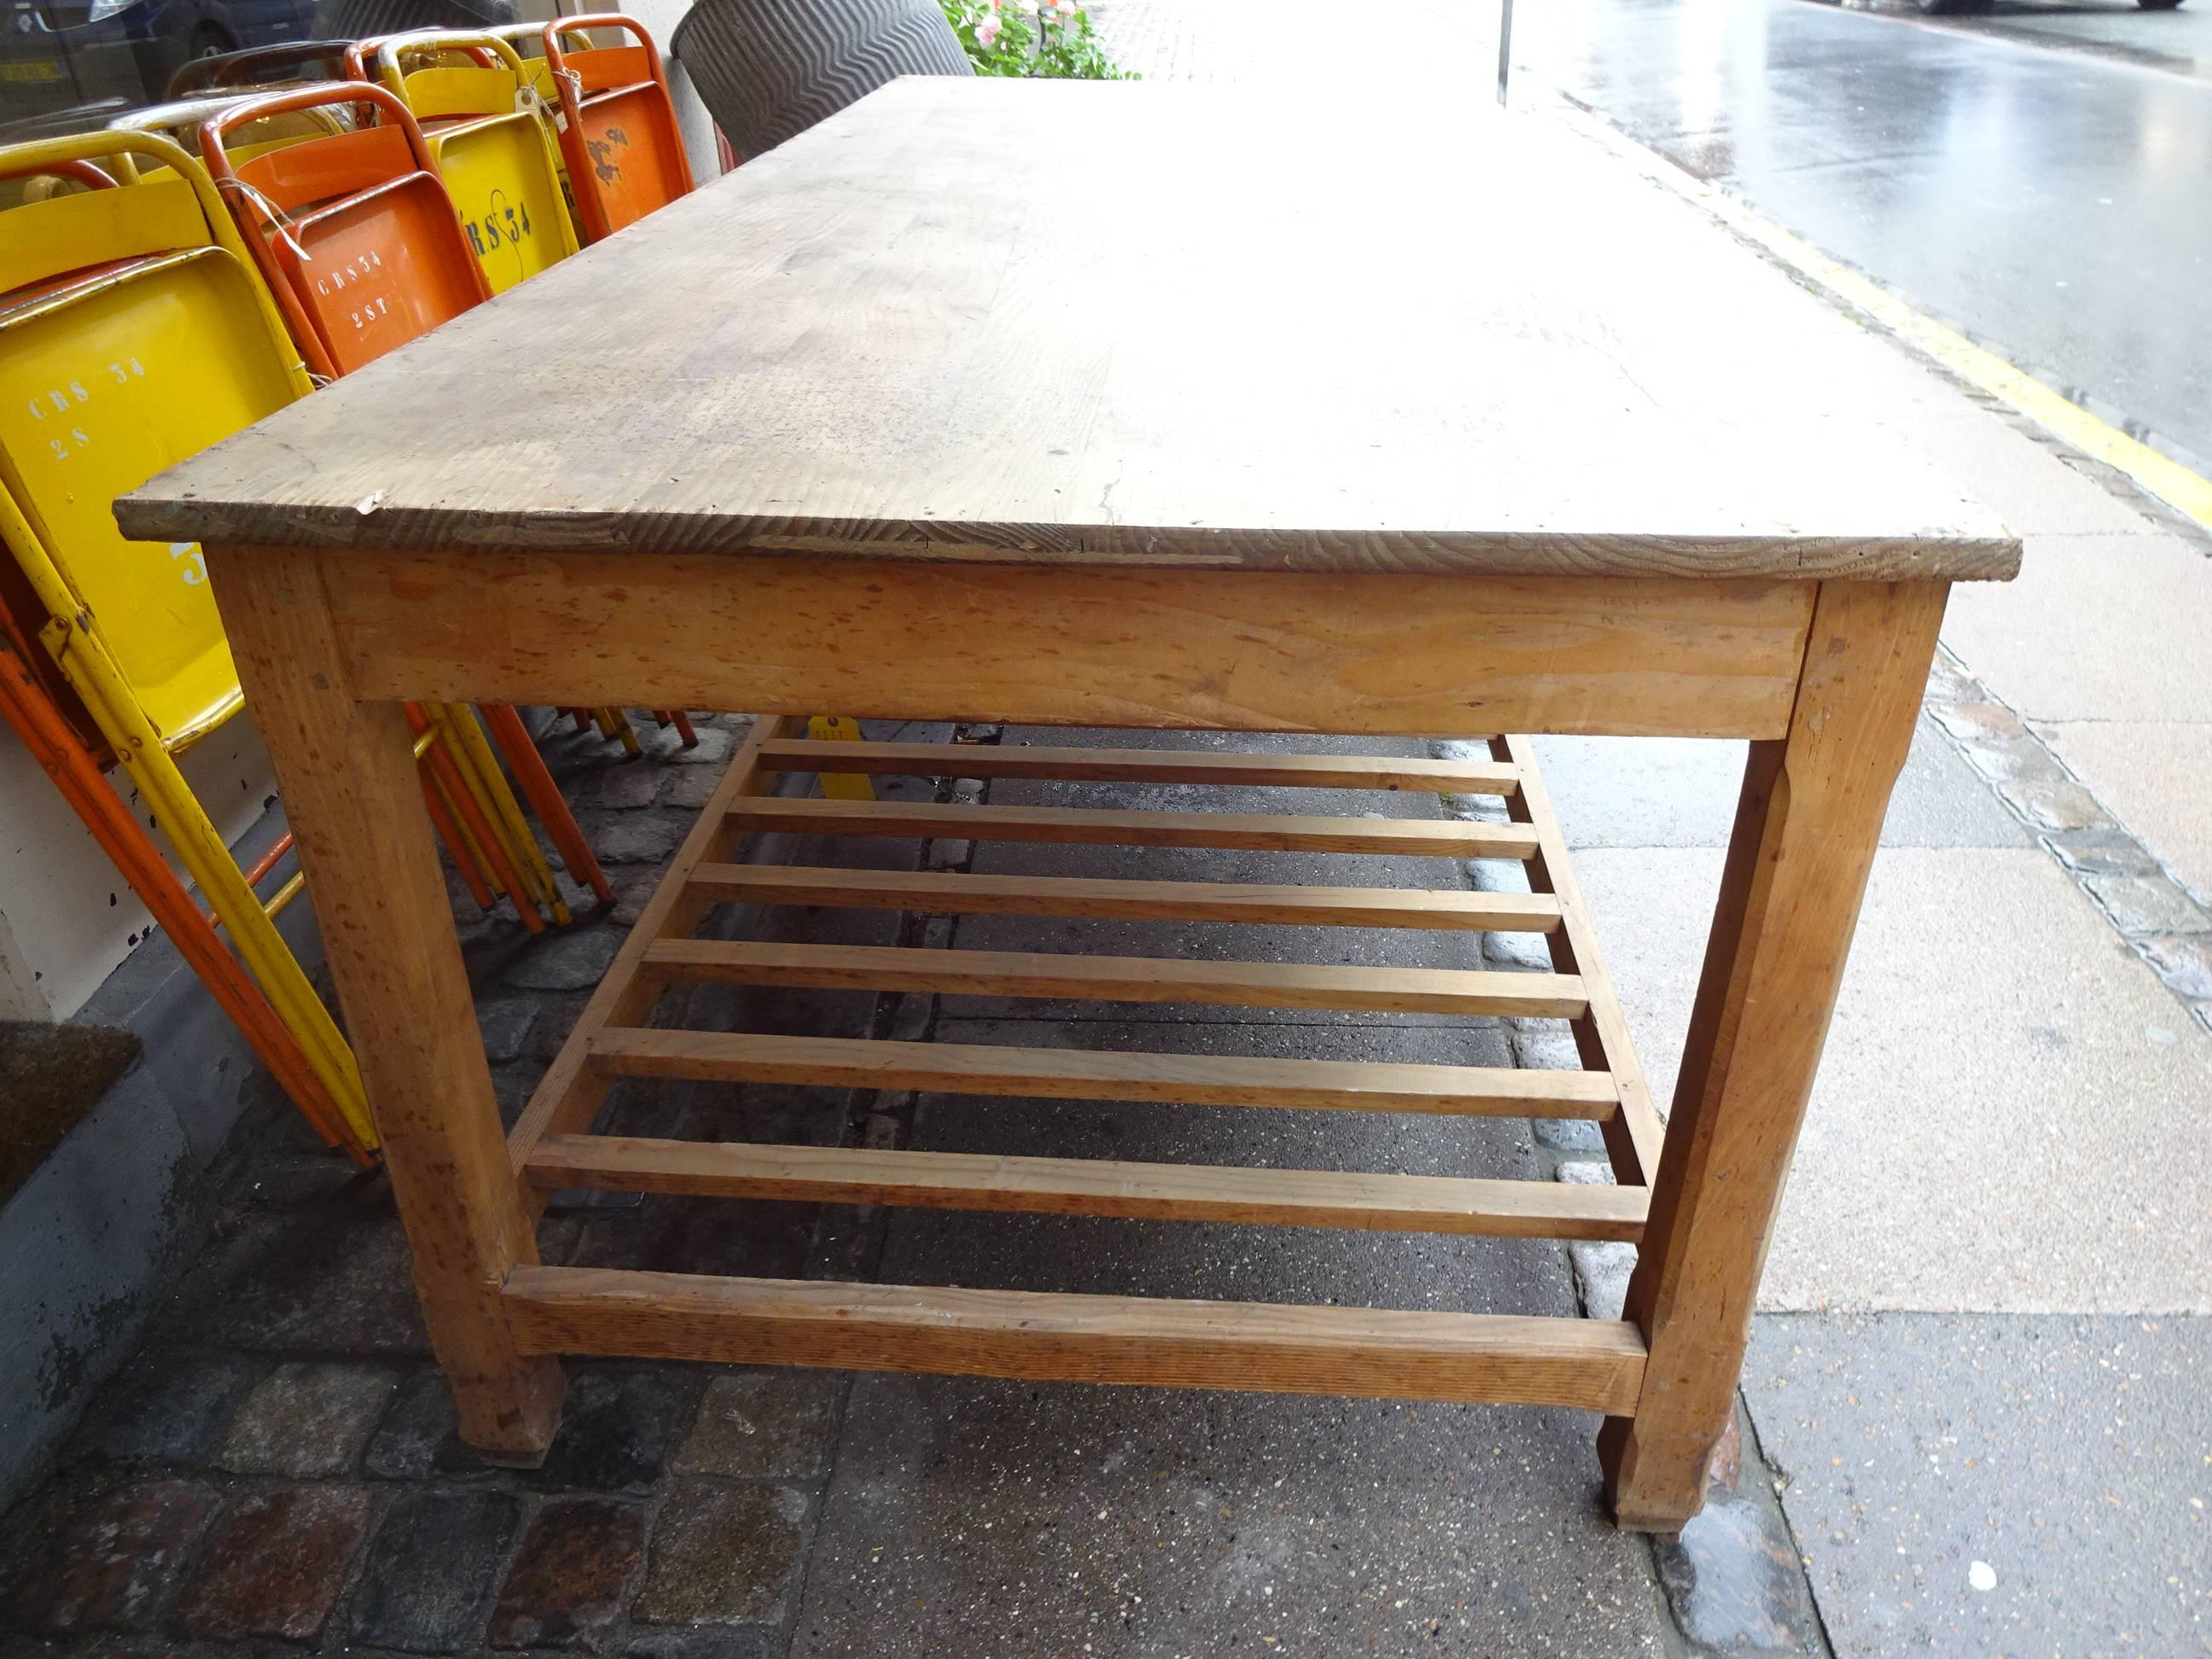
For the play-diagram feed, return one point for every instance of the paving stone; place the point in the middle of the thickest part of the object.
(1980, 723)
(506, 1026)
(616, 1429)
(512, 1085)
(1949, 684)
(632, 897)
(421, 1434)
(625, 788)
(110, 1562)
(432, 1568)
(2010, 760)
(167, 1408)
(2064, 1456)
(1733, 1579)
(765, 1425)
(556, 1018)
(306, 1420)
(1567, 1135)
(723, 1554)
(1602, 1270)
(2183, 961)
(276, 1564)
(950, 854)
(715, 746)
(2059, 803)
(692, 788)
(2101, 852)
(572, 959)
(570, 1577)
(2147, 904)
(642, 838)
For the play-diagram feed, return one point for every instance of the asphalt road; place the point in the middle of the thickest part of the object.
(2040, 177)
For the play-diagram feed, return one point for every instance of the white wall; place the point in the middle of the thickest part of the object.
(67, 918)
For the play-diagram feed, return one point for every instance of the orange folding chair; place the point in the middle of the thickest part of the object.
(618, 132)
(354, 231)
(360, 244)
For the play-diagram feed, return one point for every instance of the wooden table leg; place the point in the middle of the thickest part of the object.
(348, 773)
(1806, 828)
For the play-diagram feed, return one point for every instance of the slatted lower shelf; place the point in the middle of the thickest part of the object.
(1037, 1336)
(1595, 1365)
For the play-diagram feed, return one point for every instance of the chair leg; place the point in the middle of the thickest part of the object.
(522, 757)
(472, 753)
(51, 742)
(464, 807)
(457, 848)
(139, 747)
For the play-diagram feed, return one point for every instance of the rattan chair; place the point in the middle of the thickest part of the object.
(769, 69)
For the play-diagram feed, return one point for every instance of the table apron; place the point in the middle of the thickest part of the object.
(1145, 646)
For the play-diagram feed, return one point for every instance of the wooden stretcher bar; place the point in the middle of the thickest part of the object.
(1453, 1355)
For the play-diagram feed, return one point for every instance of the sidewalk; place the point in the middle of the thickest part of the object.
(1976, 1375)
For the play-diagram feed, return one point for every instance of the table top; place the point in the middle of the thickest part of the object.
(1198, 325)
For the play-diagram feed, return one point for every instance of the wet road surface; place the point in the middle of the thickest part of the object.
(2040, 177)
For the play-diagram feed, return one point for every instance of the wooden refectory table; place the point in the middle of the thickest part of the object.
(1111, 405)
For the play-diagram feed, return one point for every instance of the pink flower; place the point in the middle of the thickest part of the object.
(987, 32)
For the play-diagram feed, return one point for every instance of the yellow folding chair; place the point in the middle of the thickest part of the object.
(181, 119)
(135, 333)
(492, 138)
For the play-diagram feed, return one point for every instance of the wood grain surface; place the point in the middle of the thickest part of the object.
(1251, 651)
(1591, 1364)
(1458, 340)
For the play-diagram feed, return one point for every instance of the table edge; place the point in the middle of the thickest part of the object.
(146, 514)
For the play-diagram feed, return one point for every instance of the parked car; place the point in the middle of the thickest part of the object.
(58, 54)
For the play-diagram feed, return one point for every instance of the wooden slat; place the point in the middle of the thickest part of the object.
(569, 1095)
(1633, 1138)
(1488, 1359)
(1091, 1074)
(967, 760)
(1266, 832)
(949, 893)
(1094, 1186)
(1121, 979)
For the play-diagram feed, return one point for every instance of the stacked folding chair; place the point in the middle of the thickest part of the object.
(133, 331)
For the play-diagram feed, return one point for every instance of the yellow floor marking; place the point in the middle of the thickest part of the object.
(2158, 475)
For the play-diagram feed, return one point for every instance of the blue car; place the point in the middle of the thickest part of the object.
(60, 55)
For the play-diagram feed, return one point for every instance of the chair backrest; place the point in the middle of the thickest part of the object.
(769, 69)
(618, 131)
(494, 144)
(182, 119)
(134, 332)
(355, 230)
